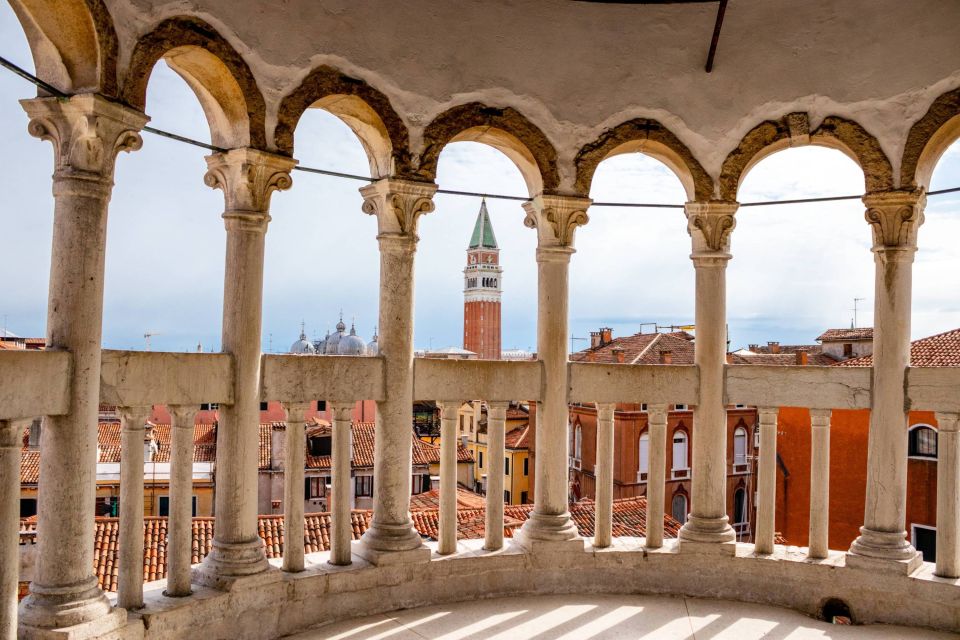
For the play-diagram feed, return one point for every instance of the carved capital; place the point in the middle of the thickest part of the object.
(134, 418)
(895, 217)
(556, 218)
(248, 178)
(398, 205)
(87, 132)
(709, 225)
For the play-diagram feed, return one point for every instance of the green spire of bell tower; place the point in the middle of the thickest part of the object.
(483, 237)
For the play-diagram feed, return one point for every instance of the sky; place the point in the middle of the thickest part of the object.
(796, 268)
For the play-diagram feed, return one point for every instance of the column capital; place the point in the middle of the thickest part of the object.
(398, 205)
(247, 178)
(556, 219)
(497, 409)
(948, 422)
(768, 415)
(657, 413)
(134, 418)
(183, 415)
(605, 410)
(709, 225)
(895, 217)
(87, 132)
(820, 418)
(11, 434)
(295, 411)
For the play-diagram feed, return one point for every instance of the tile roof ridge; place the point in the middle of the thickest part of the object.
(646, 349)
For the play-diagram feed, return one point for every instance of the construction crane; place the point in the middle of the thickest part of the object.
(149, 335)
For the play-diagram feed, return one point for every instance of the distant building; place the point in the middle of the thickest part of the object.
(482, 282)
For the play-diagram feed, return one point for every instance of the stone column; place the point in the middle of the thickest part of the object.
(767, 481)
(180, 521)
(819, 538)
(894, 219)
(656, 473)
(397, 204)
(603, 527)
(132, 459)
(247, 178)
(556, 219)
(493, 518)
(294, 461)
(708, 529)
(11, 435)
(448, 476)
(87, 132)
(948, 495)
(341, 533)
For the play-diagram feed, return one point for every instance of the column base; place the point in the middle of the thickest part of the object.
(884, 552)
(228, 561)
(389, 544)
(111, 626)
(707, 536)
(63, 607)
(543, 533)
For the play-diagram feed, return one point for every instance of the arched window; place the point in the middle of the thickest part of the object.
(678, 508)
(577, 442)
(679, 450)
(923, 442)
(739, 506)
(740, 446)
(644, 459)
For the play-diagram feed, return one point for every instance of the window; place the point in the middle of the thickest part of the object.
(209, 406)
(679, 407)
(923, 442)
(739, 506)
(420, 483)
(643, 407)
(578, 443)
(165, 506)
(526, 466)
(480, 458)
(847, 350)
(680, 450)
(321, 446)
(924, 540)
(678, 508)
(108, 506)
(263, 406)
(644, 466)
(506, 497)
(321, 405)
(28, 507)
(740, 446)
(506, 466)
(524, 497)
(364, 486)
(314, 488)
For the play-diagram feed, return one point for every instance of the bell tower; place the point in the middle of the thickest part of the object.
(482, 280)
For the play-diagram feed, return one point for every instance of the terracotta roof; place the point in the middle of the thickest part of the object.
(836, 335)
(204, 442)
(941, 350)
(642, 348)
(517, 438)
(780, 359)
(466, 499)
(629, 517)
(517, 413)
(29, 467)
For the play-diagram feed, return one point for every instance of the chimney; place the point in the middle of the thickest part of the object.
(33, 443)
(278, 444)
(618, 354)
(802, 358)
(606, 335)
(774, 347)
(666, 357)
(754, 348)
(594, 339)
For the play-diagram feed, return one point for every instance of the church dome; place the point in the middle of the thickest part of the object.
(373, 348)
(331, 343)
(302, 346)
(351, 345)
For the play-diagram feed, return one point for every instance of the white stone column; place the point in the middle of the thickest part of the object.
(894, 219)
(948, 495)
(87, 132)
(247, 178)
(132, 459)
(11, 434)
(397, 204)
(493, 518)
(294, 461)
(555, 218)
(656, 473)
(767, 481)
(603, 527)
(180, 521)
(708, 529)
(819, 538)
(341, 533)
(448, 476)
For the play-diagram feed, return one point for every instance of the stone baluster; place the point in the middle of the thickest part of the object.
(556, 219)
(342, 528)
(894, 218)
(493, 520)
(294, 461)
(247, 178)
(397, 204)
(180, 522)
(710, 225)
(603, 527)
(11, 441)
(133, 456)
(656, 473)
(819, 538)
(448, 476)
(87, 133)
(948, 495)
(767, 481)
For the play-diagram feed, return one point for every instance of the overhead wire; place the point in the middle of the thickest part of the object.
(29, 77)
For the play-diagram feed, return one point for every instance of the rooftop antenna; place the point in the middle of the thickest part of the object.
(572, 339)
(149, 335)
(269, 343)
(855, 301)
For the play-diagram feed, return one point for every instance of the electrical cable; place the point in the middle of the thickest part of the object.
(26, 75)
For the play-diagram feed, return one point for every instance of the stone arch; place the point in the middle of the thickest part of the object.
(73, 44)
(219, 76)
(793, 129)
(365, 110)
(650, 138)
(929, 137)
(504, 129)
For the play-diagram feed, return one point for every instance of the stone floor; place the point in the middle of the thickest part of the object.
(596, 617)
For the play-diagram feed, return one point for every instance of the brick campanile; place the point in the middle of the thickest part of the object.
(482, 278)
